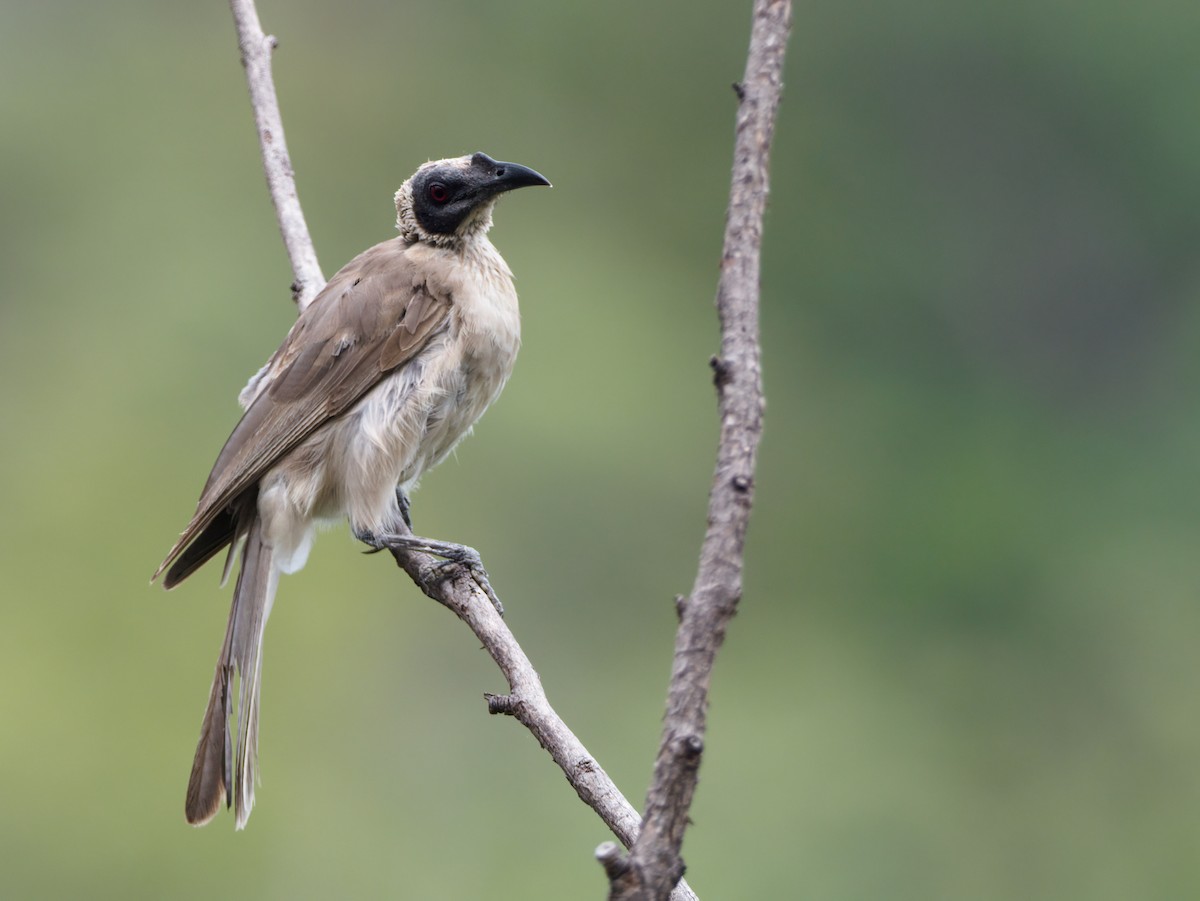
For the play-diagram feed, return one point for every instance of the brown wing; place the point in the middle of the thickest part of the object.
(373, 316)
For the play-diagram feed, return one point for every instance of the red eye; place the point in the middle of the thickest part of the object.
(438, 192)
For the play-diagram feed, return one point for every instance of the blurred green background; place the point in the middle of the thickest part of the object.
(964, 667)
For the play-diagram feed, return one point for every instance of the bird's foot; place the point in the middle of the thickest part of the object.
(454, 556)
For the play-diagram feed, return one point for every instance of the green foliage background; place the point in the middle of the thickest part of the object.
(965, 665)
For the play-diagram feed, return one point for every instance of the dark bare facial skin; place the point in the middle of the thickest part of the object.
(445, 195)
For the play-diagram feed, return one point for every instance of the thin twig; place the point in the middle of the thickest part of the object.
(655, 864)
(256, 50)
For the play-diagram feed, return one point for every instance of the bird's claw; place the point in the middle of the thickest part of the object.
(374, 544)
(460, 555)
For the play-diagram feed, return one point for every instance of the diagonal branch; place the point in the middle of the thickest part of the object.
(654, 864)
(256, 50)
(456, 588)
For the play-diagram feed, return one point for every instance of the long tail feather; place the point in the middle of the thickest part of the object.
(221, 771)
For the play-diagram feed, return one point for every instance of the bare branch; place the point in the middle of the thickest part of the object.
(655, 864)
(256, 50)
(456, 589)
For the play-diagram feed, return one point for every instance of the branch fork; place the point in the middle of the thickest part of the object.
(653, 868)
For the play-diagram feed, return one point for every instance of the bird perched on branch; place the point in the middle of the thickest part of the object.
(377, 381)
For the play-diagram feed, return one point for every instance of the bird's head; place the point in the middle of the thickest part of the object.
(448, 201)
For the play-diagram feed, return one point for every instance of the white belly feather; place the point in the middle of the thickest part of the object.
(404, 426)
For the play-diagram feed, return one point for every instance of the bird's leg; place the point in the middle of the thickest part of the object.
(404, 506)
(403, 503)
(453, 554)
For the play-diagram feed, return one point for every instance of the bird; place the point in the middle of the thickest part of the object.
(379, 378)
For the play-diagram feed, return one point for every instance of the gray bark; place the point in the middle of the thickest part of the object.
(256, 48)
(654, 864)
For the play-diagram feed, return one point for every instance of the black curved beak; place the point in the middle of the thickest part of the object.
(497, 177)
